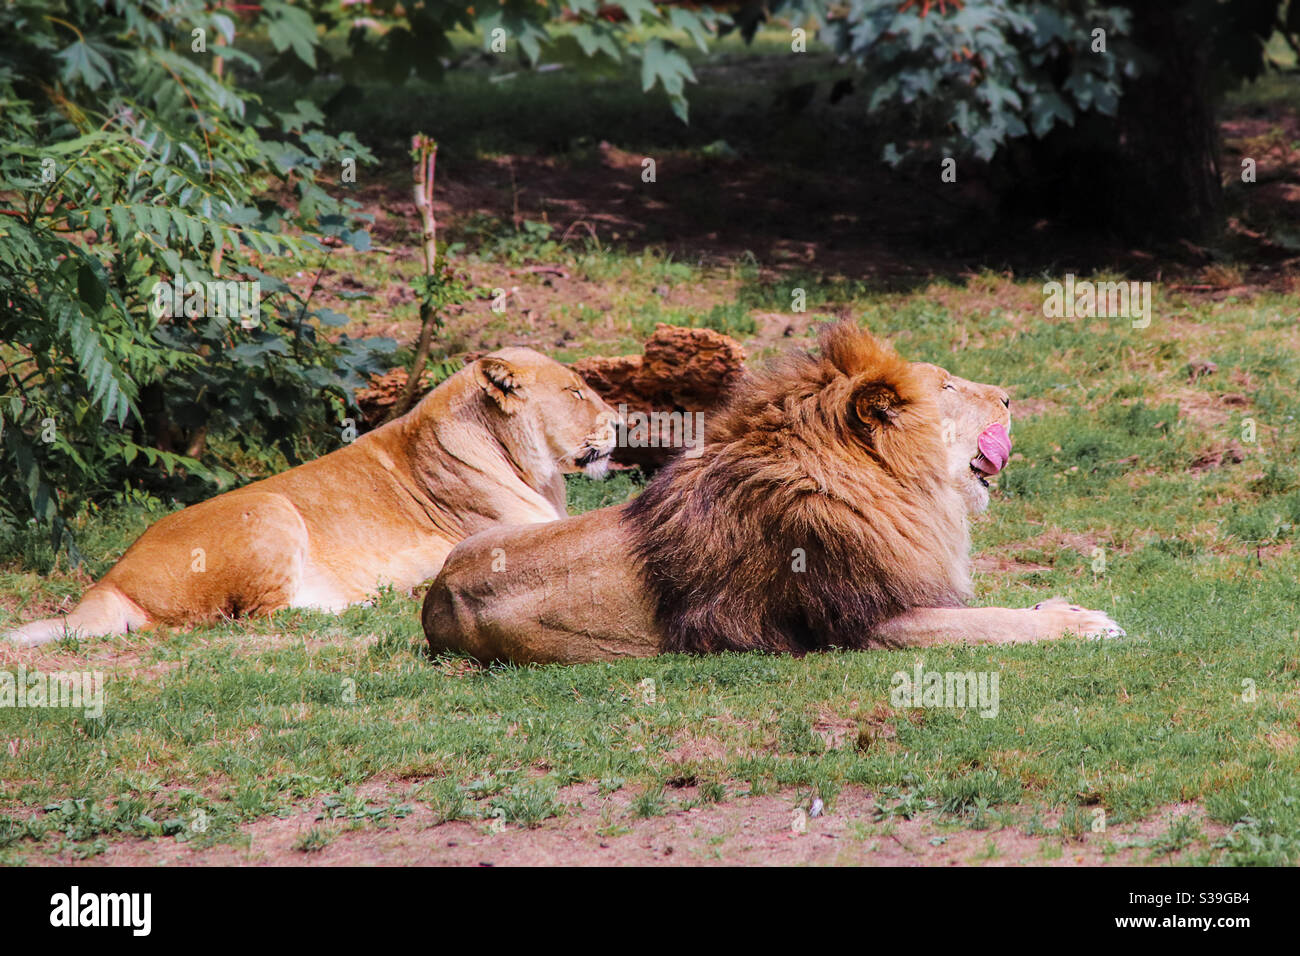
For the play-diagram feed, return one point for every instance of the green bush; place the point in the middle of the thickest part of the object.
(128, 159)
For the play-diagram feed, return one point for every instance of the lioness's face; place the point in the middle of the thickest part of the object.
(976, 427)
(553, 406)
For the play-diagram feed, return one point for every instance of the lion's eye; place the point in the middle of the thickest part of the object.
(950, 385)
(577, 392)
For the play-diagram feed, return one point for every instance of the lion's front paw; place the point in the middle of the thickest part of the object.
(1062, 617)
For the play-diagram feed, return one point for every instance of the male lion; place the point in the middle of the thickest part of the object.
(829, 507)
(489, 445)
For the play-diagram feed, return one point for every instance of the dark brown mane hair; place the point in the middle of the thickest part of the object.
(818, 507)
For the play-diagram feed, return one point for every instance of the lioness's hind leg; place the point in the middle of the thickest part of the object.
(236, 554)
(103, 611)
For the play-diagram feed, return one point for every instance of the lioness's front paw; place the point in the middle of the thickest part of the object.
(1066, 618)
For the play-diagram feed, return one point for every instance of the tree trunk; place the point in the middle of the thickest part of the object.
(1149, 173)
(1169, 134)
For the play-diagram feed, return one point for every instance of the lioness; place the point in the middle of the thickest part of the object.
(488, 445)
(829, 507)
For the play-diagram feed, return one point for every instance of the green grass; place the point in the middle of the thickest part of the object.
(208, 730)
(245, 720)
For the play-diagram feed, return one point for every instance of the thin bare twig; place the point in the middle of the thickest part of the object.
(425, 154)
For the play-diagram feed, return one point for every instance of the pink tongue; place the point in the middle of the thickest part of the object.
(995, 446)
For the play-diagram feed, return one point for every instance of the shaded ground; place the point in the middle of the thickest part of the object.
(744, 226)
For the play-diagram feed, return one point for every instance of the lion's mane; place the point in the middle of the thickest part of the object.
(818, 508)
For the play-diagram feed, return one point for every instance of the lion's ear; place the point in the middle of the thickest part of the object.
(502, 382)
(876, 403)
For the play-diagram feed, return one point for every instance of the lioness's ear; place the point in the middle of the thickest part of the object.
(876, 403)
(504, 383)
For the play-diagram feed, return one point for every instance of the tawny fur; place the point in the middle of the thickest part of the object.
(487, 446)
(820, 507)
(859, 459)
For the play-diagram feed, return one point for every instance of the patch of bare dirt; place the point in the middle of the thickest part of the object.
(129, 655)
(1033, 408)
(995, 564)
(775, 329)
(1209, 410)
(1268, 140)
(1017, 557)
(1218, 456)
(774, 829)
